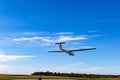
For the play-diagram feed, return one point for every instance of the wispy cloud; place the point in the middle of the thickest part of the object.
(64, 33)
(4, 57)
(69, 38)
(44, 39)
(30, 33)
(51, 39)
(35, 33)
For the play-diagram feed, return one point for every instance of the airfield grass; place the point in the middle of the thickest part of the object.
(13, 77)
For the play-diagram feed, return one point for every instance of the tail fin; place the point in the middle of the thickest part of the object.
(60, 43)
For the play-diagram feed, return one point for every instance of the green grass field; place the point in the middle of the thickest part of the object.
(6, 77)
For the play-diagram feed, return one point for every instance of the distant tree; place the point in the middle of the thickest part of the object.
(47, 73)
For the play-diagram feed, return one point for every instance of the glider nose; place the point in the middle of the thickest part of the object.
(72, 54)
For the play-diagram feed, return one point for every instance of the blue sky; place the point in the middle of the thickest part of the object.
(29, 29)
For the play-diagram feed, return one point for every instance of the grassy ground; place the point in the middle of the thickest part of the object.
(6, 77)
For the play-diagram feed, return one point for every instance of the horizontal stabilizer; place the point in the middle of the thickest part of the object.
(60, 43)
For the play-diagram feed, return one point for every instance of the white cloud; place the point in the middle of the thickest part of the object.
(51, 39)
(47, 38)
(69, 38)
(4, 57)
(44, 39)
(35, 33)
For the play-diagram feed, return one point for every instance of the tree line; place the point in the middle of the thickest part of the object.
(47, 73)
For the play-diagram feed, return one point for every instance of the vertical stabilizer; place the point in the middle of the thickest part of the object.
(60, 45)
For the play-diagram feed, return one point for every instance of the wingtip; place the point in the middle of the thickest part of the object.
(94, 48)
